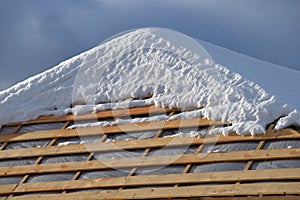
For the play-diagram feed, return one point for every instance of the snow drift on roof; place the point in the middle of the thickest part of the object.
(278, 80)
(170, 68)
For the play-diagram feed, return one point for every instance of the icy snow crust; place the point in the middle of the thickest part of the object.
(165, 65)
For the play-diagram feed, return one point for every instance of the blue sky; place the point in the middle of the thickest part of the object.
(36, 35)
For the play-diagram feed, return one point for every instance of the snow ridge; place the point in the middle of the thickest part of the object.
(141, 63)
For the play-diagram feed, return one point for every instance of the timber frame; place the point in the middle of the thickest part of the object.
(269, 184)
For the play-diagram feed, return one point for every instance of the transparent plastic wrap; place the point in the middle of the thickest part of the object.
(227, 147)
(130, 136)
(27, 144)
(50, 177)
(7, 129)
(218, 167)
(10, 180)
(40, 127)
(172, 169)
(105, 173)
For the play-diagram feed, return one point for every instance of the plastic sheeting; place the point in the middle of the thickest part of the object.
(7, 129)
(10, 180)
(172, 169)
(118, 154)
(271, 164)
(51, 177)
(39, 127)
(281, 144)
(105, 173)
(17, 162)
(217, 167)
(170, 151)
(186, 132)
(227, 147)
(27, 144)
(130, 136)
(65, 158)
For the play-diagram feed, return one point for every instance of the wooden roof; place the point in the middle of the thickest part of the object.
(278, 183)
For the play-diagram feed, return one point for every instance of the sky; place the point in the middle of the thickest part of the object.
(37, 35)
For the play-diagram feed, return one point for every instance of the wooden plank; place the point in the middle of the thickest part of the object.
(98, 115)
(248, 198)
(129, 145)
(36, 135)
(294, 197)
(233, 198)
(142, 126)
(3, 145)
(181, 192)
(7, 189)
(268, 154)
(189, 178)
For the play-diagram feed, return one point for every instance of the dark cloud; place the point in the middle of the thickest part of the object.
(36, 35)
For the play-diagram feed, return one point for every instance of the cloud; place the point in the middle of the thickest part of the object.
(36, 35)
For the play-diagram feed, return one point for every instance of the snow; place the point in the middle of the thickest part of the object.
(275, 79)
(128, 103)
(170, 68)
(288, 120)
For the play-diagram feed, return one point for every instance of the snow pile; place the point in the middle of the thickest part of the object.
(166, 66)
(275, 79)
(288, 120)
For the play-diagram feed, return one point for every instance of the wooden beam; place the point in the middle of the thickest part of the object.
(233, 156)
(7, 189)
(294, 197)
(169, 179)
(142, 126)
(98, 115)
(180, 192)
(277, 197)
